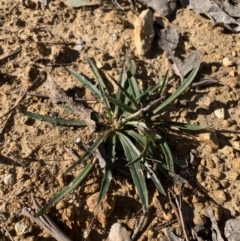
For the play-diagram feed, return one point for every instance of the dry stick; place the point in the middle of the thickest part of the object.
(164, 225)
(174, 207)
(46, 96)
(4, 125)
(137, 229)
(12, 53)
(46, 223)
(182, 220)
(10, 236)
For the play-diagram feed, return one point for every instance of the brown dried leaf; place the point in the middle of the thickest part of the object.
(84, 114)
(54, 92)
(57, 95)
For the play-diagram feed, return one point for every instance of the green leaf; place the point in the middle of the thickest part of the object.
(143, 153)
(103, 87)
(85, 82)
(131, 98)
(54, 120)
(132, 70)
(111, 152)
(154, 178)
(135, 88)
(121, 81)
(150, 90)
(91, 149)
(73, 185)
(164, 85)
(178, 92)
(183, 126)
(120, 104)
(66, 107)
(132, 81)
(163, 146)
(131, 152)
(164, 170)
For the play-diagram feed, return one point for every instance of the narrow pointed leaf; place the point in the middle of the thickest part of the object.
(164, 170)
(131, 153)
(131, 98)
(73, 185)
(179, 91)
(143, 153)
(111, 152)
(103, 87)
(90, 150)
(54, 120)
(166, 152)
(121, 81)
(97, 75)
(120, 104)
(85, 82)
(66, 107)
(164, 84)
(132, 70)
(150, 90)
(134, 87)
(155, 179)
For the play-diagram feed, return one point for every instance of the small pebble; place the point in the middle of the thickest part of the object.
(214, 68)
(61, 205)
(234, 53)
(218, 56)
(233, 175)
(167, 216)
(216, 159)
(217, 174)
(219, 196)
(23, 228)
(226, 123)
(232, 73)
(210, 164)
(235, 164)
(224, 183)
(9, 179)
(199, 220)
(227, 62)
(236, 145)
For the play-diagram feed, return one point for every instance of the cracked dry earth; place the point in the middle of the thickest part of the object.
(33, 154)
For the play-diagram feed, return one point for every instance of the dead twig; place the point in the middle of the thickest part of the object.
(9, 235)
(137, 229)
(174, 207)
(179, 205)
(11, 54)
(164, 225)
(178, 212)
(45, 222)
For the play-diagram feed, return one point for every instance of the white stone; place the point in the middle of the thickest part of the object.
(23, 228)
(118, 233)
(9, 179)
(144, 32)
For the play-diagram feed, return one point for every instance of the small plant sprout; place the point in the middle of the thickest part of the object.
(131, 127)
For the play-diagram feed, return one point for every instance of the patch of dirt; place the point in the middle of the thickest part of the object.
(33, 157)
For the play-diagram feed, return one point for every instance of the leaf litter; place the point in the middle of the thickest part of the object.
(58, 96)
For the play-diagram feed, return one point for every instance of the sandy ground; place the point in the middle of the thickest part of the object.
(33, 156)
